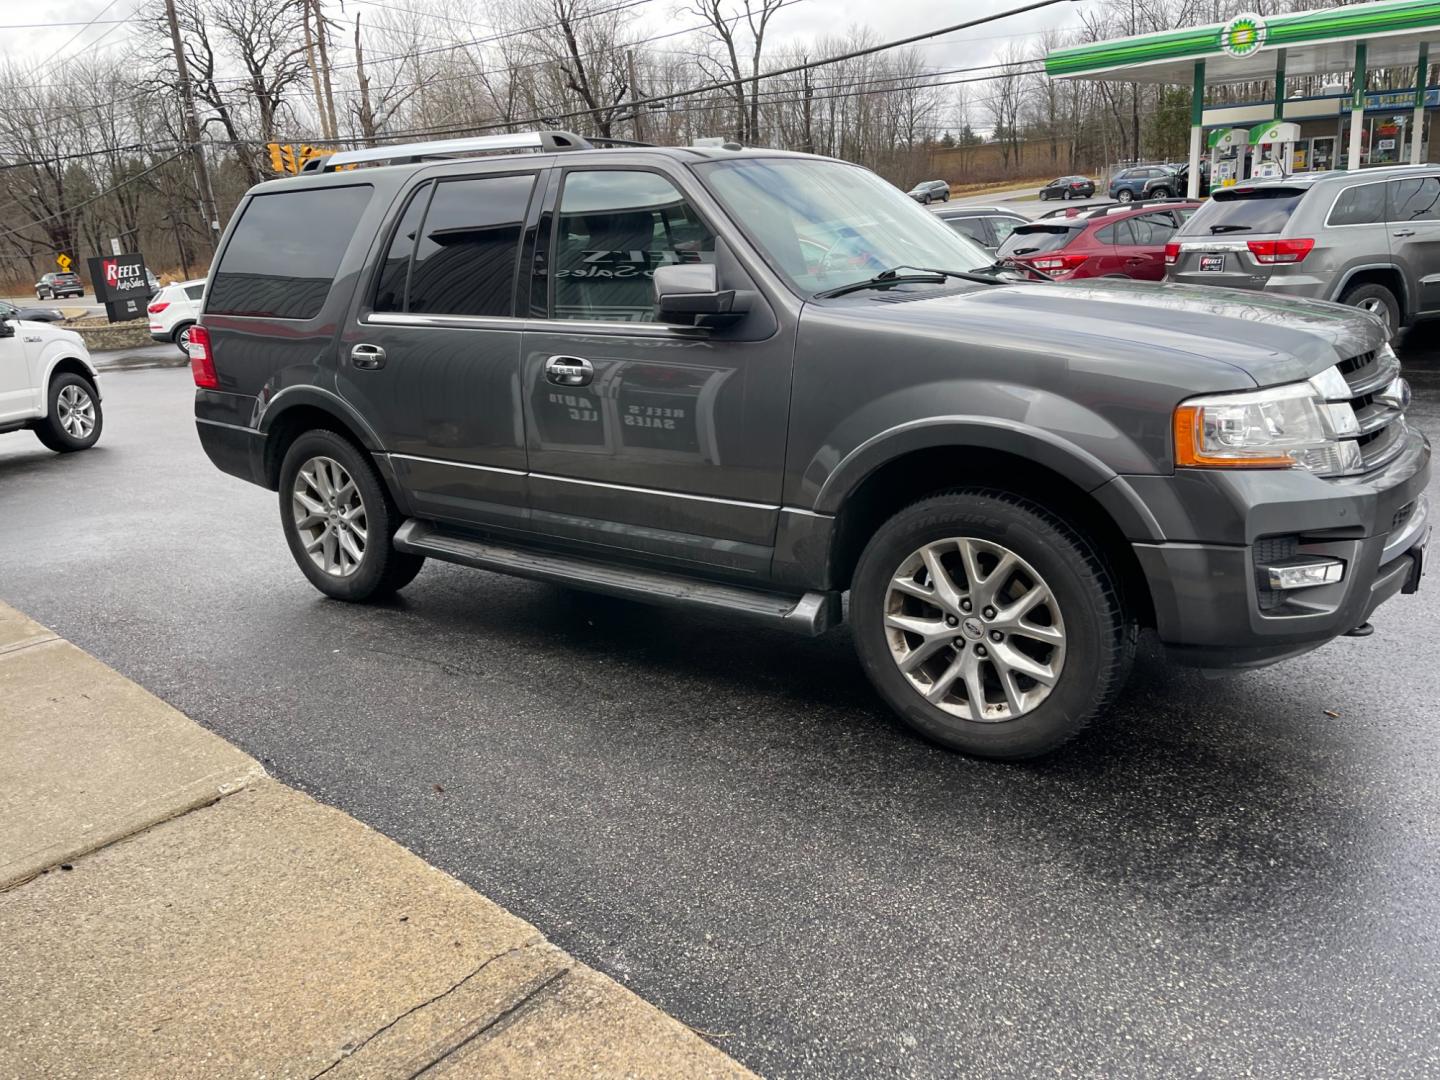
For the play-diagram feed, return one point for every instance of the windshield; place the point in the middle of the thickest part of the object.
(823, 224)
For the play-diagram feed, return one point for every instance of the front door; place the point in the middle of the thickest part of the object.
(644, 437)
(432, 358)
(1414, 220)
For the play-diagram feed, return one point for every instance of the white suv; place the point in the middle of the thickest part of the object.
(49, 385)
(173, 311)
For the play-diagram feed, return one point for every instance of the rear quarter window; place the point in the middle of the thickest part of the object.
(1246, 210)
(1035, 239)
(283, 254)
(1361, 205)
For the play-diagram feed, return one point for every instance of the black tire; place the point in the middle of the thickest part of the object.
(946, 196)
(181, 336)
(52, 432)
(39, 294)
(1099, 634)
(924, 200)
(1124, 195)
(1369, 295)
(1160, 193)
(382, 570)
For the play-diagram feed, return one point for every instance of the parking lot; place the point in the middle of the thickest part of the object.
(1227, 876)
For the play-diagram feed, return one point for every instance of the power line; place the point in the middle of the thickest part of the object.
(96, 198)
(75, 22)
(724, 84)
(82, 30)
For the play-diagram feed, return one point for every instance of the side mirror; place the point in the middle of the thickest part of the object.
(7, 328)
(689, 294)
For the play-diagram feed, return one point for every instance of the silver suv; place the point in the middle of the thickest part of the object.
(1369, 239)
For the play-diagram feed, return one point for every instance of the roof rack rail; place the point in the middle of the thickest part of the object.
(409, 153)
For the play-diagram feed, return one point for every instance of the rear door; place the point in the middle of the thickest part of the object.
(1414, 219)
(1142, 248)
(431, 356)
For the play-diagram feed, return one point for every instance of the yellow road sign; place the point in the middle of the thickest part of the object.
(63, 261)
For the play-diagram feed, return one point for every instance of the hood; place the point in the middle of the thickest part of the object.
(1271, 339)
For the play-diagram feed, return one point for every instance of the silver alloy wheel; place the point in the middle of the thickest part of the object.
(974, 629)
(329, 516)
(1375, 306)
(183, 339)
(76, 410)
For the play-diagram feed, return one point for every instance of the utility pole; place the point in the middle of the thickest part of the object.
(637, 111)
(314, 72)
(322, 31)
(806, 105)
(192, 130)
(367, 118)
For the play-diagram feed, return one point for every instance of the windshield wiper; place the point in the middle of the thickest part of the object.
(1229, 228)
(1009, 262)
(886, 278)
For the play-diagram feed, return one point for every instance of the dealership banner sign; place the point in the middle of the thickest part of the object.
(120, 284)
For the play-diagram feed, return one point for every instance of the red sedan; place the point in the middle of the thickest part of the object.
(1107, 241)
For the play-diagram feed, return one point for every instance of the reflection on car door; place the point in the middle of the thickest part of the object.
(17, 396)
(1414, 219)
(431, 358)
(665, 441)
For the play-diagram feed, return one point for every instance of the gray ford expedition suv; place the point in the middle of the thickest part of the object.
(747, 381)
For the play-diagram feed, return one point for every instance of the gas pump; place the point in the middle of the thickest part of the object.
(1273, 150)
(1227, 156)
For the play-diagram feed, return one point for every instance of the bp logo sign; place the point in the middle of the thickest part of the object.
(1242, 35)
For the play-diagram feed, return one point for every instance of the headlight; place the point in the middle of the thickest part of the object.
(1295, 426)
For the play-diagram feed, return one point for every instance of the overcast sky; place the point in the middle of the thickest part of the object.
(61, 44)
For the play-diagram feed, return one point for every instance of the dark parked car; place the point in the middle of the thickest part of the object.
(928, 191)
(30, 314)
(54, 286)
(1145, 182)
(717, 379)
(1114, 241)
(988, 226)
(1068, 187)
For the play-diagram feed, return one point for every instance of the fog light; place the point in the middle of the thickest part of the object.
(1302, 573)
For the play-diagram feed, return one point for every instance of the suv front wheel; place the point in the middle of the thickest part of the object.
(73, 420)
(1124, 195)
(988, 624)
(340, 521)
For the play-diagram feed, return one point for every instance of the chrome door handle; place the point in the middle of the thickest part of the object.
(368, 357)
(569, 370)
(1404, 232)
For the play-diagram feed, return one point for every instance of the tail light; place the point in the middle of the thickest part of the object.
(1172, 254)
(1270, 252)
(202, 364)
(158, 306)
(1059, 264)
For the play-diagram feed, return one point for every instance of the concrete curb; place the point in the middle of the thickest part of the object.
(173, 911)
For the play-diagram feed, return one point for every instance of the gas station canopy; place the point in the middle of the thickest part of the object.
(1252, 48)
(1244, 49)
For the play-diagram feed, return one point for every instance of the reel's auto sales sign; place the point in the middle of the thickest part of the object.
(120, 284)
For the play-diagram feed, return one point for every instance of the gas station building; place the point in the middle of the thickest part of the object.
(1287, 134)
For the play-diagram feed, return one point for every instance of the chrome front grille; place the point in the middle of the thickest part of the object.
(1378, 396)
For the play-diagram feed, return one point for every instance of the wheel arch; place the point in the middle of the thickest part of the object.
(1386, 274)
(1093, 500)
(298, 409)
(67, 363)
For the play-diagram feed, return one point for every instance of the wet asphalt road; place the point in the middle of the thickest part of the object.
(1222, 879)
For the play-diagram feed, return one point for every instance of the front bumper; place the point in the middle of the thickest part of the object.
(1212, 607)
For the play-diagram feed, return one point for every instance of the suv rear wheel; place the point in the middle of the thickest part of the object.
(340, 521)
(1160, 193)
(1378, 300)
(989, 624)
(181, 336)
(1124, 195)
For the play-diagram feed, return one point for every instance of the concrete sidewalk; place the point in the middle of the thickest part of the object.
(169, 910)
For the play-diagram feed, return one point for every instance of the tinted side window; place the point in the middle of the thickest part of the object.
(614, 228)
(395, 270)
(1415, 199)
(971, 227)
(1109, 234)
(282, 256)
(1361, 205)
(1152, 228)
(469, 247)
(195, 292)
